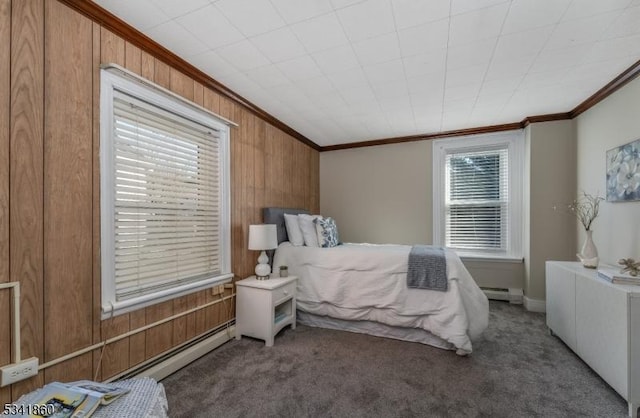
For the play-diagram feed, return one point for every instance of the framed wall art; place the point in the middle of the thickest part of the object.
(623, 173)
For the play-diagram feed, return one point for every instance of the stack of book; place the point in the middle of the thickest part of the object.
(613, 275)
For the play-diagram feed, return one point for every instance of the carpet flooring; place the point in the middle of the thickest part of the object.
(516, 370)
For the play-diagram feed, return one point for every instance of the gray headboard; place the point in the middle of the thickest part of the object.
(276, 216)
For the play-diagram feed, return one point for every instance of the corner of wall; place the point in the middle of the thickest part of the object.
(526, 215)
(551, 168)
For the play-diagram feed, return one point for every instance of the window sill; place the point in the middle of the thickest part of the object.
(490, 259)
(110, 309)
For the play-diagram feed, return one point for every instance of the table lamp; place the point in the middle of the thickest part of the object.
(263, 237)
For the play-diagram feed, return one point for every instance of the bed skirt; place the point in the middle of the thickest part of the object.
(376, 329)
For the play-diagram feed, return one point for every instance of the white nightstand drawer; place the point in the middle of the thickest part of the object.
(283, 293)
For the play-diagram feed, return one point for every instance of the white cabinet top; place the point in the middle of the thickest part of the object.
(269, 284)
(579, 269)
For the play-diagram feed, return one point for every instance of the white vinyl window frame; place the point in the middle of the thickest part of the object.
(117, 81)
(513, 141)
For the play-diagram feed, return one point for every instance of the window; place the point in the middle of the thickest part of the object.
(164, 167)
(478, 195)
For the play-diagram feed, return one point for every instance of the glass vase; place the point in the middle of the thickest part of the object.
(589, 253)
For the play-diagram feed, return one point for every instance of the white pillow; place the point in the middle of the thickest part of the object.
(293, 230)
(309, 229)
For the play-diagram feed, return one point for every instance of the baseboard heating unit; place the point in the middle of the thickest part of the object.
(171, 361)
(514, 296)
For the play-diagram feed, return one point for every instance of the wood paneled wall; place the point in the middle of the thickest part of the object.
(5, 110)
(50, 192)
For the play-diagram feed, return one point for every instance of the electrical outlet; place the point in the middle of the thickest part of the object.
(216, 290)
(16, 372)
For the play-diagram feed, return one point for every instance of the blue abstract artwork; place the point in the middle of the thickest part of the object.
(623, 172)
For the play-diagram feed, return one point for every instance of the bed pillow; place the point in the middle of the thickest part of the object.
(308, 229)
(293, 230)
(327, 232)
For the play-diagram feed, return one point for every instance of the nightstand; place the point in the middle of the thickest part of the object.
(264, 307)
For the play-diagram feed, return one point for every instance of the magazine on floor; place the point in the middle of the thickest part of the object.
(67, 400)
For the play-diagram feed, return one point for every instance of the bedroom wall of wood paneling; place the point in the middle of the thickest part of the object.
(5, 108)
(50, 190)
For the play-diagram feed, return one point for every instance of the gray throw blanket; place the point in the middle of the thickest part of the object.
(427, 268)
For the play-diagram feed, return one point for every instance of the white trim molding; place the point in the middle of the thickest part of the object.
(115, 82)
(535, 305)
(513, 141)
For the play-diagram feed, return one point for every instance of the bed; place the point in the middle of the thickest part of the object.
(363, 288)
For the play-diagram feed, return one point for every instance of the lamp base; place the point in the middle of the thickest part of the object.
(263, 269)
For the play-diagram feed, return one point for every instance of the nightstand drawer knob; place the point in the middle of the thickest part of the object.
(286, 292)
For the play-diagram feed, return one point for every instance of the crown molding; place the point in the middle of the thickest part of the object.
(545, 118)
(458, 132)
(614, 85)
(413, 138)
(107, 20)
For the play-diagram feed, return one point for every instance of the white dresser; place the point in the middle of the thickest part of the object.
(600, 322)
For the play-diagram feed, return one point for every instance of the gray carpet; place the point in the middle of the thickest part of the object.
(517, 369)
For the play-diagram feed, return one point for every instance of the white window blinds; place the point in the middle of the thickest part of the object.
(477, 199)
(167, 204)
(477, 194)
(164, 167)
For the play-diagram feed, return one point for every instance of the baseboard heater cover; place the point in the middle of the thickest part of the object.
(514, 296)
(170, 362)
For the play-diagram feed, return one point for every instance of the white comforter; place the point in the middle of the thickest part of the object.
(369, 282)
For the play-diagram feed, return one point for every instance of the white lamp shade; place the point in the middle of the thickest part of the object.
(263, 237)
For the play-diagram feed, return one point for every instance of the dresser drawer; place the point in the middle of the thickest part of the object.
(285, 292)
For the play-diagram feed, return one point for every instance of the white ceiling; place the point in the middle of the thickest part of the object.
(341, 71)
